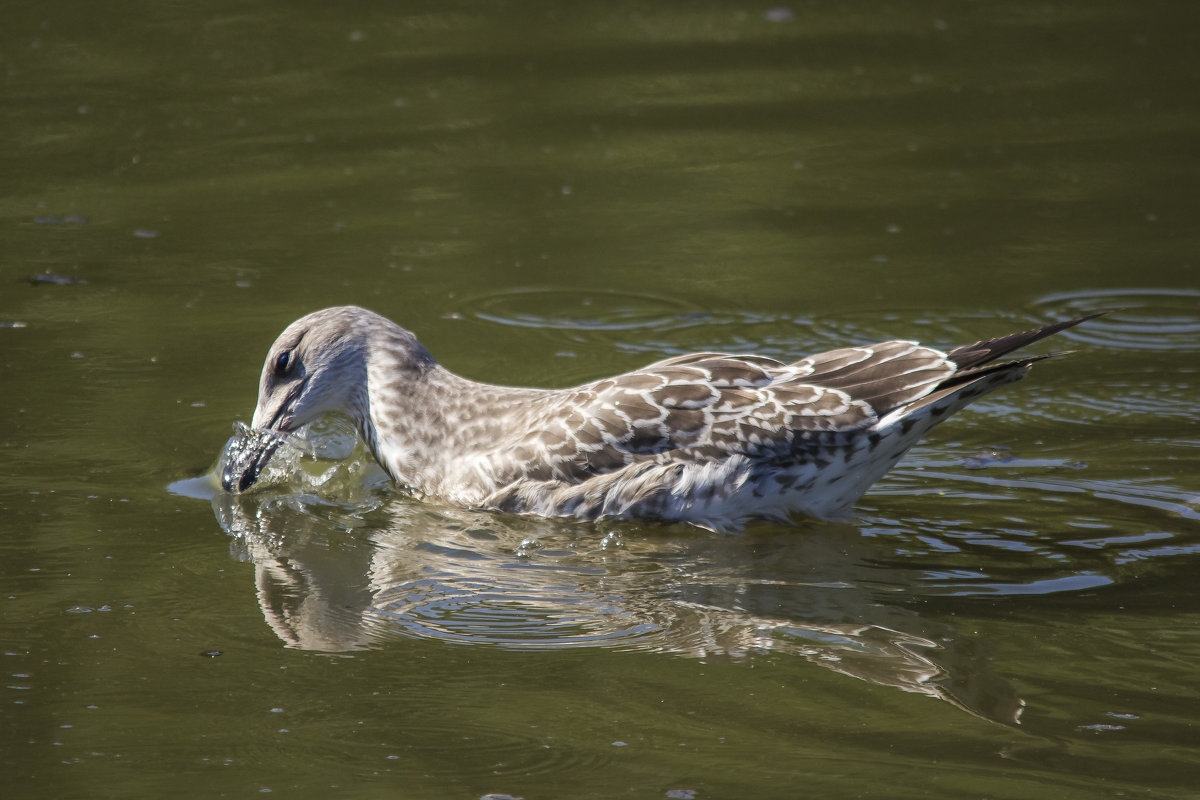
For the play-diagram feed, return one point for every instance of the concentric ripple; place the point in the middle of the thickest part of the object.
(583, 311)
(519, 616)
(1143, 319)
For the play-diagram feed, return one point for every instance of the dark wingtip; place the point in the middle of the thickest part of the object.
(975, 355)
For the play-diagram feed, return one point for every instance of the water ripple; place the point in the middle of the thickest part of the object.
(1088, 529)
(1146, 319)
(583, 311)
(518, 614)
(1078, 582)
(1160, 401)
(1155, 494)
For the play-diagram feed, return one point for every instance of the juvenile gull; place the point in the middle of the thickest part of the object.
(713, 439)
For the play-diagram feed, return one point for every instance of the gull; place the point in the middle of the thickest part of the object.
(711, 439)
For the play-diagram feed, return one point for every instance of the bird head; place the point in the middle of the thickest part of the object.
(317, 365)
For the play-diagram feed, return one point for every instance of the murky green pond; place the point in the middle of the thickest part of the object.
(547, 193)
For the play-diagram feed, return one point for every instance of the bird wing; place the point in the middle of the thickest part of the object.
(713, 405)
(708, 407)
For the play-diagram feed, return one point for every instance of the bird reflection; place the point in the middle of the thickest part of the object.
(335, 579)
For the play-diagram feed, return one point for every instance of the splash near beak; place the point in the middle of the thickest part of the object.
(246, 456)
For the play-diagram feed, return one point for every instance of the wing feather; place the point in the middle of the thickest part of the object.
(706, 407)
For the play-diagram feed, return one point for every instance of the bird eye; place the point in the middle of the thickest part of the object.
(283, 364)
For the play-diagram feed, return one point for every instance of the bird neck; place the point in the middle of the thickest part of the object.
(424, 424)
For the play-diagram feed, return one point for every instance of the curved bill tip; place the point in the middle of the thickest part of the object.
(245, 459)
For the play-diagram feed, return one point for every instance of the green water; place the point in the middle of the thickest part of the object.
(547, 193)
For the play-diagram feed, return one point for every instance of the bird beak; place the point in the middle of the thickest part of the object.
(246, 456)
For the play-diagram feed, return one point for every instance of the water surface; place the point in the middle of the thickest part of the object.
(547, 194)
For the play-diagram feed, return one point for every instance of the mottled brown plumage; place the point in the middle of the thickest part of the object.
(708, 438)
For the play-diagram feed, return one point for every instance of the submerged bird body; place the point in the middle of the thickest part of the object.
(709, 438)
